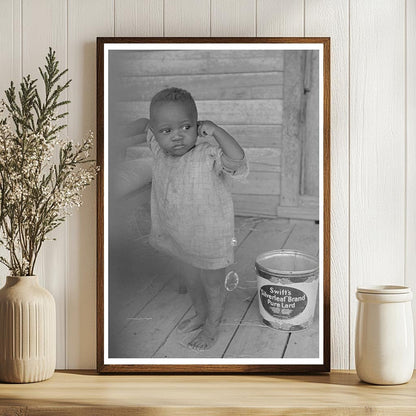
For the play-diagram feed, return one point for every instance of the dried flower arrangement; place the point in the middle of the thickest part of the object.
(41, 175)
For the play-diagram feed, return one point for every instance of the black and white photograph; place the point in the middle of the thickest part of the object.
(213, 213)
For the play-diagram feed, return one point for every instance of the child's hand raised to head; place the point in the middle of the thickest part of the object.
(227, 142)
(206, 128)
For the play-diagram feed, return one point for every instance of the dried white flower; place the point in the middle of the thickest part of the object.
(42, 176)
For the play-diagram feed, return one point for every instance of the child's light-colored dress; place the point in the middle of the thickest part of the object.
(191, 206)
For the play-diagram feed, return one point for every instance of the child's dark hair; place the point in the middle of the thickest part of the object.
(173, 94)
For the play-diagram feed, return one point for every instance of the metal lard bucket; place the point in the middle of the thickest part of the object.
(287, 282)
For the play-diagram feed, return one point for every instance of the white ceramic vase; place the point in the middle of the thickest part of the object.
(384, 341)
(27, 331)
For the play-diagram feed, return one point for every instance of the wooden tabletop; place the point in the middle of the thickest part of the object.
(86, 393)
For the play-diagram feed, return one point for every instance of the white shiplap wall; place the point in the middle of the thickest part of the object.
(373, 132)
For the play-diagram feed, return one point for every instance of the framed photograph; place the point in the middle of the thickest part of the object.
(213, 222)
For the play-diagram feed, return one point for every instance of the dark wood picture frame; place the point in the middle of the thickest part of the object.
(104, 365)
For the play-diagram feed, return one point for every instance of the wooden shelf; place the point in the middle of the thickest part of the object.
(87, 393)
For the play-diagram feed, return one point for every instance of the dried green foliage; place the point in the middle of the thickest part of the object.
(41, 176)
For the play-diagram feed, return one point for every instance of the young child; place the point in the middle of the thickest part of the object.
(191, 207)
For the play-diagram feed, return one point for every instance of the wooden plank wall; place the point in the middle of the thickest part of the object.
(371, 209)
(239, 90)
(373, 130)
(410, 258)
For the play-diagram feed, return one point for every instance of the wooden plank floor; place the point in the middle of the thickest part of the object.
(146, 303)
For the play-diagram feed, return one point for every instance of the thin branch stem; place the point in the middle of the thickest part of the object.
(32, 202)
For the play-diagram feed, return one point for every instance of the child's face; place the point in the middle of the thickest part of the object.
(174, 126)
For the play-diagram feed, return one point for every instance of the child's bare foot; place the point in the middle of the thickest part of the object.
(205, 339)
(191, 324)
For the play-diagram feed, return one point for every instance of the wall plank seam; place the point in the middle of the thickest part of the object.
(67, 253)
(304, 17)
(405, 142)
(21, 39)
(210, 17)
(349, 184)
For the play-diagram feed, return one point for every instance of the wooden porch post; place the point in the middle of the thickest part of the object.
(293, 90)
